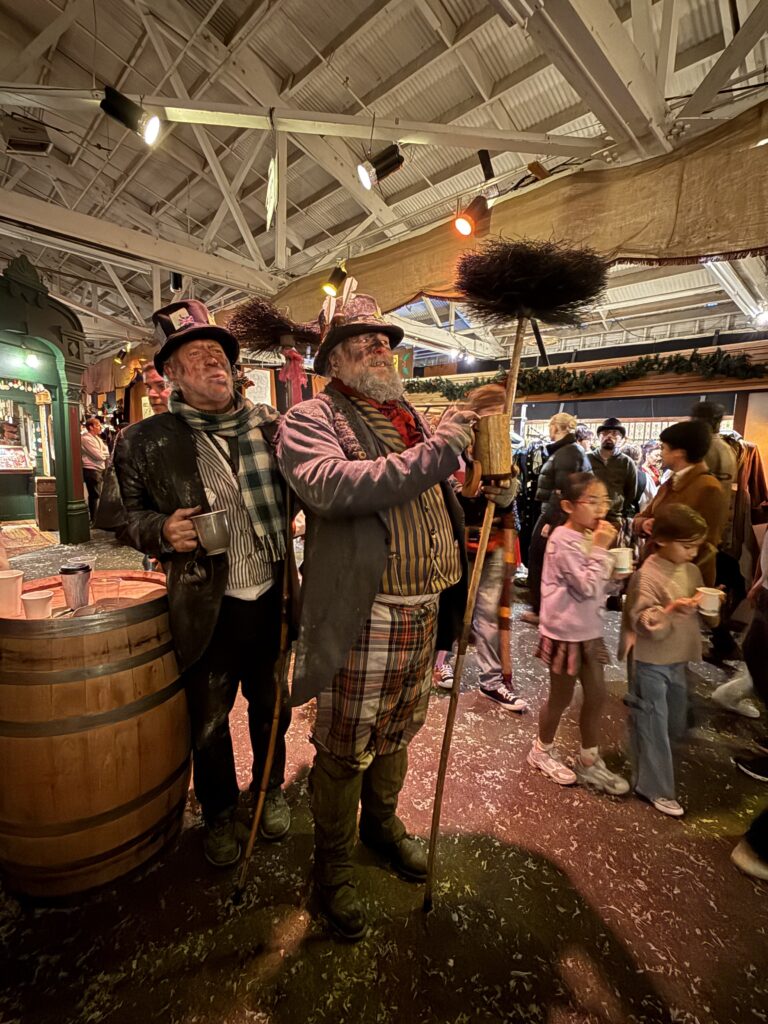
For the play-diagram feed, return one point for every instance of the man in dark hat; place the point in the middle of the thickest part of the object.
(616, 470)
(214, 450)
(384, 575)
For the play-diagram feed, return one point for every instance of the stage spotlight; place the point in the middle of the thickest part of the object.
(120, 356)
(32, 360)
(177, 281)
(336, 279)
(130, 115)
(466, 221)
(380, 166)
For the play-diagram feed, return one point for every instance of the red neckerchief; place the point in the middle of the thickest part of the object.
(401, 419)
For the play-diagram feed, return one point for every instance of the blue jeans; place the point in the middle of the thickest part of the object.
(658, 706)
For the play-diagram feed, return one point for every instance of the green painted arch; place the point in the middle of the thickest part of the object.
(30, 317)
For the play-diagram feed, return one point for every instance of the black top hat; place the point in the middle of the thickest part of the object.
(612, 424)
(187, 321)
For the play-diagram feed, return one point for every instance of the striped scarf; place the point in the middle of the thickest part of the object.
(258, 478)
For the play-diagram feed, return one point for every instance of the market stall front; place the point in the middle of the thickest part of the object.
(41, 345)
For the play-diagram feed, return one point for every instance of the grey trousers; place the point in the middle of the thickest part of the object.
(658, 706)
(485, 621)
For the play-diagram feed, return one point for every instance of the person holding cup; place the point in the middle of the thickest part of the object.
(213, 451)
(661, 632)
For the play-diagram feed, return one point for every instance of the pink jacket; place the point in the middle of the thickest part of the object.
(574, 586)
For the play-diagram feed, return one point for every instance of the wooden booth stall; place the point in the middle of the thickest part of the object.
(41, 365)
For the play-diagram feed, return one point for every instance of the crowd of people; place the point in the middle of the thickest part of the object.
(674, 510)
(384, 582)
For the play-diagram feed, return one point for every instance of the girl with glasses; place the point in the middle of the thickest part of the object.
(578, 573)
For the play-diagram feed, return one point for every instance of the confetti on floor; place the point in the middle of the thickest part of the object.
(551, 905)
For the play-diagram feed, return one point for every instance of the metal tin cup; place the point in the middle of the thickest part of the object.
(76, 582)
(212, 529)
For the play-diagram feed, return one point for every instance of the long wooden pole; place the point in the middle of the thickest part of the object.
(281, 666)
(474, 586)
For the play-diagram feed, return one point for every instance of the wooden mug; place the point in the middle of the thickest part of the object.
(492, 447)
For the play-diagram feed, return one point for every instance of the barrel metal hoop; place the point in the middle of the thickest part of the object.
(13, 677)
(153, 833)
(54, 629)
(84, 723)
(67, 828)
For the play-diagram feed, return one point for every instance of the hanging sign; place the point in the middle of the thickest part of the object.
(271, 200)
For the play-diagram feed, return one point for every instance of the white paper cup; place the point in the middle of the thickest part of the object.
(37, 604)
(622, 559)
(11, 582)
(709, 599)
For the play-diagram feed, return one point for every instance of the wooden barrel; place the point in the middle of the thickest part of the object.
(94, 739)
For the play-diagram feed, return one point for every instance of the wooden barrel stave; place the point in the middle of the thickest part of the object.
(96, 765)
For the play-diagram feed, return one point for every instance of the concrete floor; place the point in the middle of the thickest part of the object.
(551, 905)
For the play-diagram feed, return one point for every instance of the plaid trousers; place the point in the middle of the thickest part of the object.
(377, 702)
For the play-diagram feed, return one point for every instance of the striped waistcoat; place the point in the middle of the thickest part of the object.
(424, 555)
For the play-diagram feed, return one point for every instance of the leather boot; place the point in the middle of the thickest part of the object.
(380, 827)
(335, 795)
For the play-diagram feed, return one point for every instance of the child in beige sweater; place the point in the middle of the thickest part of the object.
(661, 627)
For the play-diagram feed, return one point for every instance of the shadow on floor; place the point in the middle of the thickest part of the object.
(510, 939)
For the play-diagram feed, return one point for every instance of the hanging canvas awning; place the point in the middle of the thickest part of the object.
(707, 199)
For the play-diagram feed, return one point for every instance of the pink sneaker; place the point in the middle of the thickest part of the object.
(553, 768)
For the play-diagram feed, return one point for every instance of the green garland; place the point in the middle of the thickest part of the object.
(563, 380)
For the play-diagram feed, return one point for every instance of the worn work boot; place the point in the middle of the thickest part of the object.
(275, 816)
(335, 795)
(220, 846)
(380, 827)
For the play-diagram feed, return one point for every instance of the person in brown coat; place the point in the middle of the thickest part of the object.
(683, 450)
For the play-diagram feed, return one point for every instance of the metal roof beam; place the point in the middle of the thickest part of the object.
(257, 143)
(98, 239)
(665, 61)
(207, 147)
(49, 37)
(132, 308)
(294, 82)
(589, 46)
(197, 112)
(733, 286)
(745, 40)
(251, 80)
(447, 341)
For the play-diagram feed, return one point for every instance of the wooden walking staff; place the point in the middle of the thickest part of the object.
(279, 679)
(501, 282)
(258, 325)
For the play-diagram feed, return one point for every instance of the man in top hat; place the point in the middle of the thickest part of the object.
(616, 470)
(384, 575)
(214, 450)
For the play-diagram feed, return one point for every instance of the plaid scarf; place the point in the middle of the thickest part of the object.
(258, 478)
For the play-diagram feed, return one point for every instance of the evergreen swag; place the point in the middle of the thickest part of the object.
(563, 380)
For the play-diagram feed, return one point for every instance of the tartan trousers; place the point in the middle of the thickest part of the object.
(377, 702)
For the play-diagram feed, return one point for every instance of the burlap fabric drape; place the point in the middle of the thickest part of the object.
(106, 375)
(709, 198)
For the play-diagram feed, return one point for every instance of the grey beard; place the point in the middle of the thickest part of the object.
(390, 389)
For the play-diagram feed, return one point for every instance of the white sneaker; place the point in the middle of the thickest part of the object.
(599, 775)
(744, 707)
(553, 768)
(444, 677)
(733, 694)
(670, 807)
